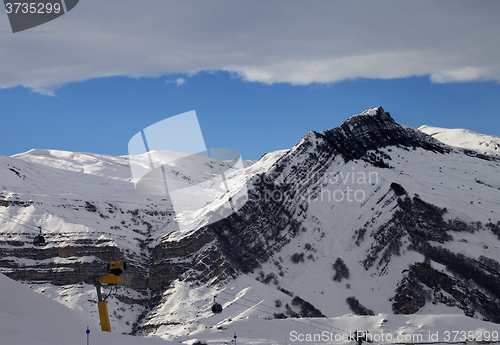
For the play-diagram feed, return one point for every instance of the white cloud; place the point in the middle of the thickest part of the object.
(461, 75)
(178, 81)
(298, 42)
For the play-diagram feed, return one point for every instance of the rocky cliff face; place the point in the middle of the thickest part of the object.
(366, 217)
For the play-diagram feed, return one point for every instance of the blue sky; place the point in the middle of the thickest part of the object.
(101, 115)
(259, 75)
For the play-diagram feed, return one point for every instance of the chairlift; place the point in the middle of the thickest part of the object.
(39, 240)
(216, 308)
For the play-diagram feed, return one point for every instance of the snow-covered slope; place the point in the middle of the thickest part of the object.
(465, 138)
(29, 318)
(90, 214)
(414, 222)
(365, 218)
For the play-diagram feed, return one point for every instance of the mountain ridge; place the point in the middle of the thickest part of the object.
(465, 138)
(369, 197)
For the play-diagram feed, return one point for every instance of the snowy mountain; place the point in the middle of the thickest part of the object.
(465, 138)
(370, 217)
(31, 318)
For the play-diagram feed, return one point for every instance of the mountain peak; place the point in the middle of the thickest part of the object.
(373, 129)
(373, 112)
(377, 118)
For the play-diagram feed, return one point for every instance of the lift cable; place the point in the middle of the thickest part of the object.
(38, 240)
(291, 319)
(267, 306)
(281, 311)
(19, 222)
